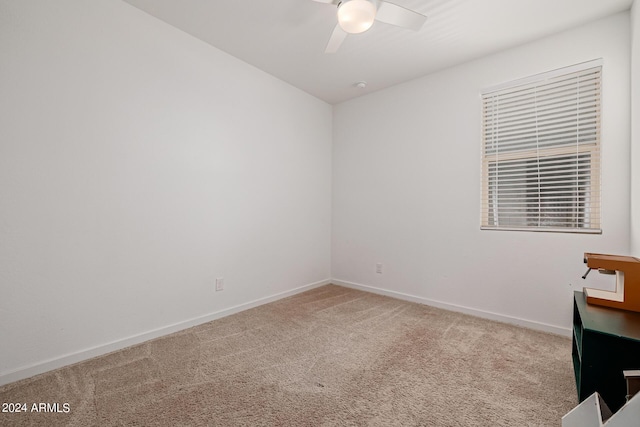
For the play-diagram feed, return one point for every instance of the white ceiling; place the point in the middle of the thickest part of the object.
(287, 38)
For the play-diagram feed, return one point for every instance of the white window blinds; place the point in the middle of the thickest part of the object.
(541, 152)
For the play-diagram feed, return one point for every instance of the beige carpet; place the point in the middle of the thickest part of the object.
(329, 356)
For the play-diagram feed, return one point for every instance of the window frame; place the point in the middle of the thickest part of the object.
(536, 153)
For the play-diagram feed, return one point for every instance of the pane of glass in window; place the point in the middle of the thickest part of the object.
(552, 191)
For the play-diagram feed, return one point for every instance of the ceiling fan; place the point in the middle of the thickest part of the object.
(357, 16)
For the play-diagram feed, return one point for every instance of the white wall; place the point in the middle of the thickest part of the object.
(406, 187)
(635, 128)
(137, 164)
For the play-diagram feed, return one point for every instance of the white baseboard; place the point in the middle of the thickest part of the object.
(558, 330)
(71, 358)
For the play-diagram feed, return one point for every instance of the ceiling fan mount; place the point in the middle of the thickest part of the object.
(357, 16)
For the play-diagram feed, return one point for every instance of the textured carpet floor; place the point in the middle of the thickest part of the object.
(329, 356)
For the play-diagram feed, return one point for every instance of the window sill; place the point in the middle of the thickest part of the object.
(547, 229)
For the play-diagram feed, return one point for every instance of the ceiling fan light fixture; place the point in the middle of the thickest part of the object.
(356, 16)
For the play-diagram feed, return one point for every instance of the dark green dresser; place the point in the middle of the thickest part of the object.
(606, 341)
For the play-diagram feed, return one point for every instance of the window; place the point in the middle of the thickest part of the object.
(541, 152)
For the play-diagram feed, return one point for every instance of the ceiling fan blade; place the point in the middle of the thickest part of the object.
(337, 37)
(328, 1)
(393, 14)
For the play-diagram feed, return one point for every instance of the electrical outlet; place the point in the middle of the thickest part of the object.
(220, 284)
(379, 268)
